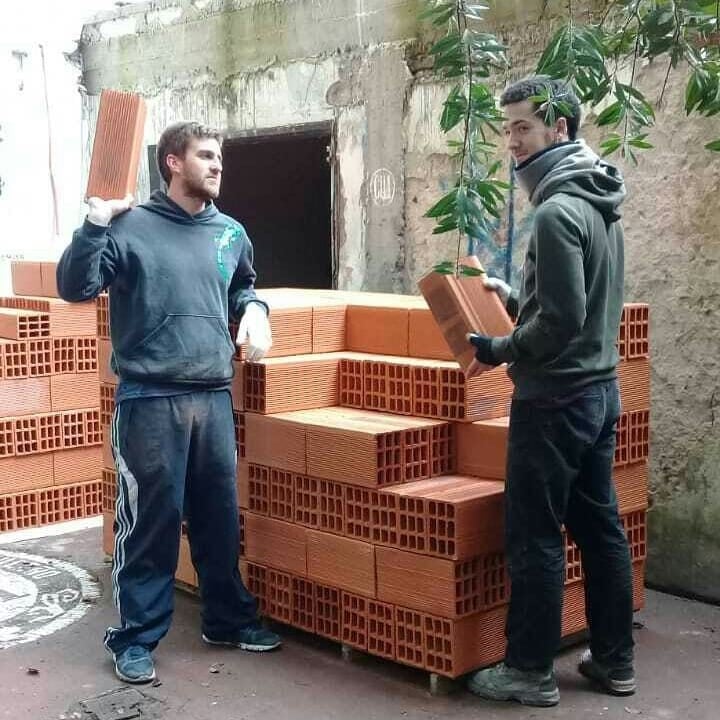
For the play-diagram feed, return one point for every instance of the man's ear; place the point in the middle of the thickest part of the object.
(561, 129)
(173, 162)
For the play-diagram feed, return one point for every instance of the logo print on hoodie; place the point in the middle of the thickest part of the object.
(229, 236)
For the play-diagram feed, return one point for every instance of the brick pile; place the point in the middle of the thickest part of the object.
(50, 439)
(371, 479)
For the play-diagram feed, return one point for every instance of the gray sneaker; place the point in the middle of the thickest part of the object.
(528, 687)
(254, 638)
(615, 681)
(135, 665)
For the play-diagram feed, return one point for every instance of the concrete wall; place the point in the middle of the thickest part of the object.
(250, 65)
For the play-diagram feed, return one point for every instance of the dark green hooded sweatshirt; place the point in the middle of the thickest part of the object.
(571, 297)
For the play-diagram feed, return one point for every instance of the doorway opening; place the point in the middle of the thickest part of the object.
(279, 186)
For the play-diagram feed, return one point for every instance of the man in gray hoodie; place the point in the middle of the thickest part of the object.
(176, 270)
(562, 359)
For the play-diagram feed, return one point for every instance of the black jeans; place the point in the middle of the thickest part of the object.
(559, 472)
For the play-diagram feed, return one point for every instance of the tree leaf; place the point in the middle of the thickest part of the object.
(714, 146)
(470, 271)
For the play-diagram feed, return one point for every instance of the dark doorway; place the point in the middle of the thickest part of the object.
(279, 188)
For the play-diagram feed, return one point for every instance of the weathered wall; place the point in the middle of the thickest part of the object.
(250, 65)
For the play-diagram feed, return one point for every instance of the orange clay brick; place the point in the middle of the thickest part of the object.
(18, 474)
(117, 145)
(23, 324)
(78, 465)
(26, 277)
(14, 359)
(76, 391)
(24, 396)
(345, 563)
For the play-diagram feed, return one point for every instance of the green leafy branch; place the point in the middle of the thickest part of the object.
(467, 56)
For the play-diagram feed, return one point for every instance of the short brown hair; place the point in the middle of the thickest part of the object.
(175, 139)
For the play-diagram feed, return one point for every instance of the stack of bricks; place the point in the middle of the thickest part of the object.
(371, 479)
(50, 441)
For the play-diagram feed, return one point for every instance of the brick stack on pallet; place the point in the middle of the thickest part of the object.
(50, 441)
(371, 478)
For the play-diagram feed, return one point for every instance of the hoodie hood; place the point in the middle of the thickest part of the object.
(161, 204)
(574, 169)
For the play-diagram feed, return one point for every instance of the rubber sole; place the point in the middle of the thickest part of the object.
(539, 698)
(143, 680)
(249, 647)
(618, 688)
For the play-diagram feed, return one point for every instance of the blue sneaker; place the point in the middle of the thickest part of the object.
(254, 638)
(135, 665)
(529, 687)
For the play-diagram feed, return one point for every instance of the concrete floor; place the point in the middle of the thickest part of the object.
(678, 669)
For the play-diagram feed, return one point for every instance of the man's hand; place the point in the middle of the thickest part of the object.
(101, 212)
(255, 326)
(502, 289)
(476, 368)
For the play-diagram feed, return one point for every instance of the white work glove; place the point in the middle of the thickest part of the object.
(101, 212)
(255, 326)
(499, 286)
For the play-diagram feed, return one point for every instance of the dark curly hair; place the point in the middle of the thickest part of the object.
(557, 89)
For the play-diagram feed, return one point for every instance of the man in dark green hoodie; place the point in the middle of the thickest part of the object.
(176, 270)
(562, 359)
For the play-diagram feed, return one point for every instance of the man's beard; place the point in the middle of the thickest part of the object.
(201, 191)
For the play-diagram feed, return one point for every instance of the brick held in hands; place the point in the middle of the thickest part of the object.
(276, 543)
(461, 305)
(343, 562)
(26, 277)
(482, 448)
(117, 145)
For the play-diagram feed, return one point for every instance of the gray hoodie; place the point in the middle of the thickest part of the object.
(571, 298)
